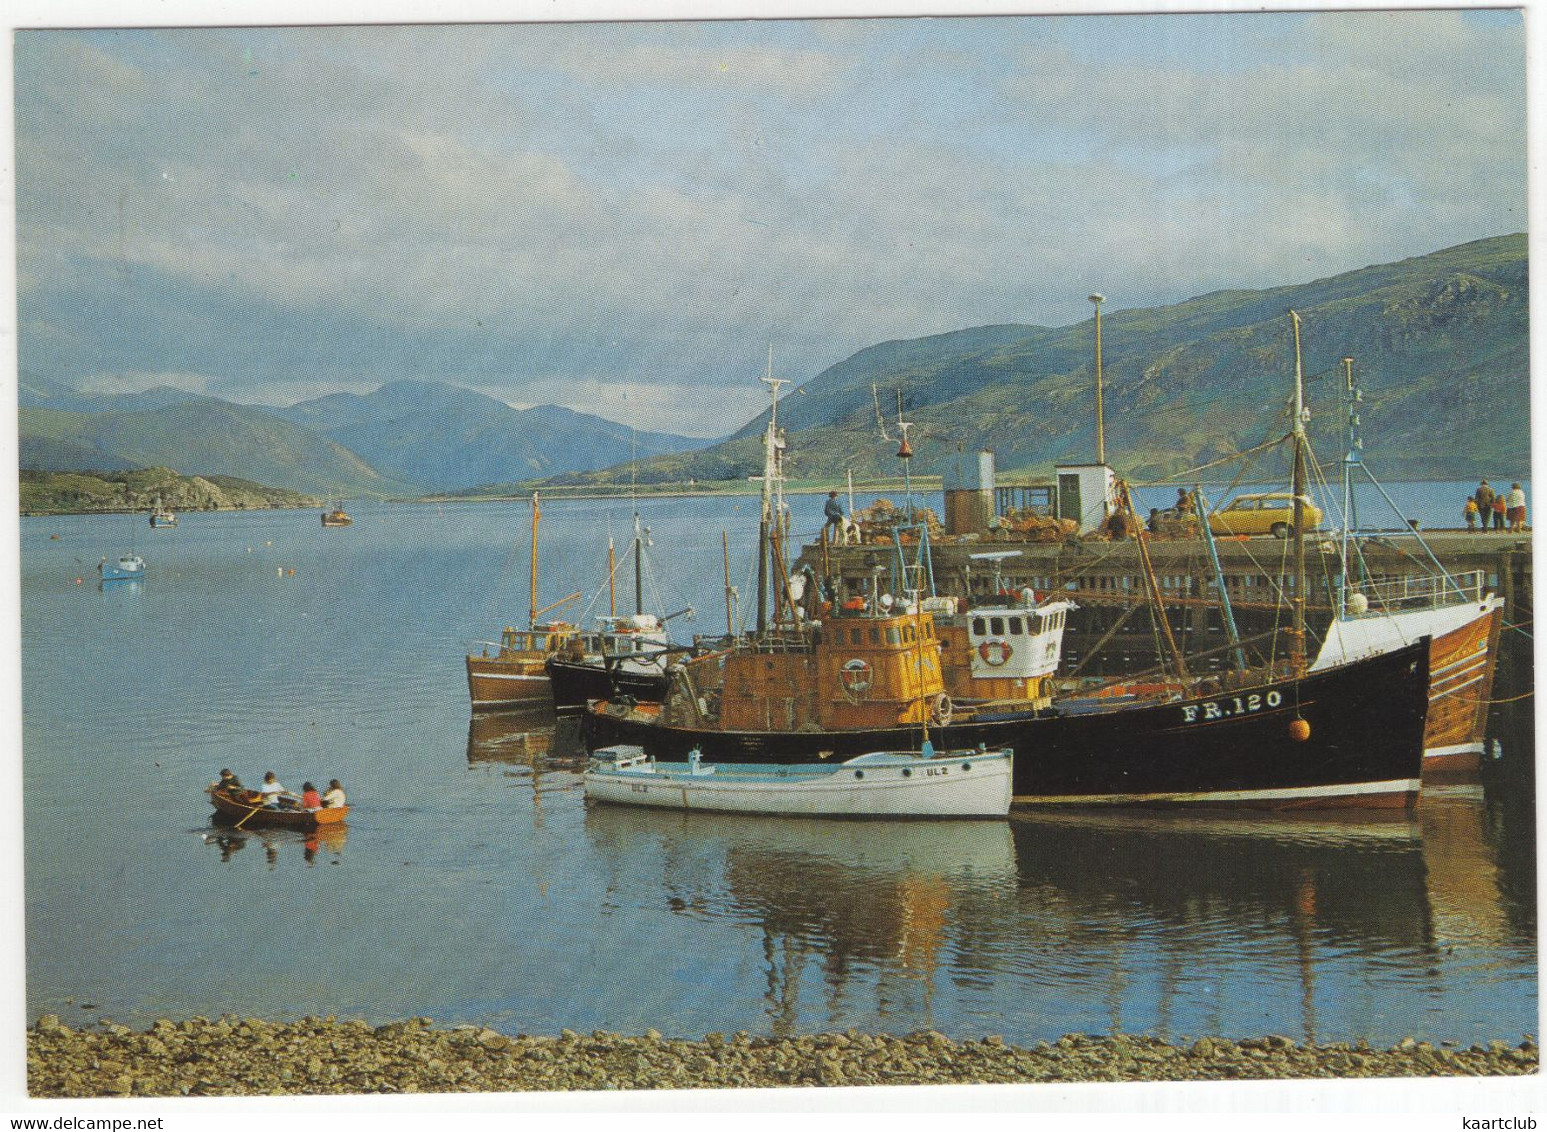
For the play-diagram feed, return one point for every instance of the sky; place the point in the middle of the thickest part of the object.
(624, 217)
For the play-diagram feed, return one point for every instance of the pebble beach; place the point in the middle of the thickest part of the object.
(233, 1056)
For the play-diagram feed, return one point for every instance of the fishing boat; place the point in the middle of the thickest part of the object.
(512, 673)
(161, 516)
(628, 656)
(129, 567)
(877, 784)
(1458, 613)
(868, 674)
(337, 517)
(247, 810)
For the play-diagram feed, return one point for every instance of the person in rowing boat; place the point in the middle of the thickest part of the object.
(310, 799)
(275, 796)
(335, 795)
(230, 783)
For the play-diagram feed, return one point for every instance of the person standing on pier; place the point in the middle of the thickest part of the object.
(1469, 513)
(1483, 497)
(1516, 503)
(1500, 507)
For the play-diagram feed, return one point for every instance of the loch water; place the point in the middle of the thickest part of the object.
(472, 883)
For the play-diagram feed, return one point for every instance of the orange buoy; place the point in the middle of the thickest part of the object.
(77, 581)
(1299, 730)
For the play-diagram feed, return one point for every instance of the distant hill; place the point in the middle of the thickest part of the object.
(202, 436)
(443, 437)
(72, 492)
(1439, 344)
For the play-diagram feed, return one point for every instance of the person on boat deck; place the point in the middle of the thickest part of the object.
(335, 795)
(310, 799)
(1154, 524)
(1516, 502)
(273, 794)
(834, 513)
(1183, 504)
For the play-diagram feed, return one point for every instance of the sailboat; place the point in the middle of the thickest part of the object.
(514, 674)
(1459, 615)
(865, 675)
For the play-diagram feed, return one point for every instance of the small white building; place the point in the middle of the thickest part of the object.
(1087, 493)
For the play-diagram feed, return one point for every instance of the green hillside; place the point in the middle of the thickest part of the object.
(1439, 342)
(70, 492)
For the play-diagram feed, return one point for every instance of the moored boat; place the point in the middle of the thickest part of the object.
(129, 567)
(880, 784)
(248, 811)
(337, 517)
(161, 516)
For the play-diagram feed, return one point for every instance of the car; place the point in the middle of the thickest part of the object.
(1264, 513)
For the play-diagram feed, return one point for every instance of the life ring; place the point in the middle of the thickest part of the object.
(855, 676)
(942, 709)
(995, 651)
(854, 604)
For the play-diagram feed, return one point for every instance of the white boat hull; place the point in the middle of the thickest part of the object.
(975, 785)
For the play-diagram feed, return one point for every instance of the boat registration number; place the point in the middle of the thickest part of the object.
(1235, 705)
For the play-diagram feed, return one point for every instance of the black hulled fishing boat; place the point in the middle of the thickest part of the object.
(868, 674)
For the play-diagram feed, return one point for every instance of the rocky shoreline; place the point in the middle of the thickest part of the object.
(234, 1056)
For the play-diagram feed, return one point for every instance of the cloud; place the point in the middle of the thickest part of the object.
(564, 207)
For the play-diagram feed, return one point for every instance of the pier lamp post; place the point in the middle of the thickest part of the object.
(1101, 444)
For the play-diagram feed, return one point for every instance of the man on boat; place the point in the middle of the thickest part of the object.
(230, 783)
(835, 524)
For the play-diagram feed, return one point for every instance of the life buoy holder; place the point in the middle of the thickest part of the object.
(941, 710)
(996, 651)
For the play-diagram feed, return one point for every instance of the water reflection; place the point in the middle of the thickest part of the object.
(879, 906)
(280, 844)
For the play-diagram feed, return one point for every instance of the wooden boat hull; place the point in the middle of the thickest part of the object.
(574, 682)
(1363, 747)
(1463, 653)
(494, 683)
(971, 785)
(230, 810)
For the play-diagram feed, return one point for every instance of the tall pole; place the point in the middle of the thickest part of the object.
(639, 567)
(730, 614)
(767, 527)
(612, 579)
(1297, 485)
(1101, 440)
(1350, 458)
(536, 514)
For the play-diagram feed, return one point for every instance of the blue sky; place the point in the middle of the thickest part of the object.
(622, 217)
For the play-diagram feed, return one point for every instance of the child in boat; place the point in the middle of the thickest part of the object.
(310, 799)
(335, 795)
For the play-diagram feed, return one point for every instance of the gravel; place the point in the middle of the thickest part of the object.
(233, 1056)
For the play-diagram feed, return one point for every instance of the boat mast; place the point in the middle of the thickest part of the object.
(639, 567)
(766, 528)
(730, 591)
(1297, 486)
(1350, 458)
(612, 579)
(536, 514)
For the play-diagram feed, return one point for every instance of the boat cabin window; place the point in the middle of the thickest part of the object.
(875, 636)
(1015, 626)
(996, 626)
(893, 637)
(907, 634)
(855, 635)
(929, 631)
(978, 629)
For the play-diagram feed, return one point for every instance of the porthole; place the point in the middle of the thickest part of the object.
(859, 774)
(966, 767)
(906, 773)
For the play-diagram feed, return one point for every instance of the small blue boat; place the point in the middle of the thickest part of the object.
(128, 567)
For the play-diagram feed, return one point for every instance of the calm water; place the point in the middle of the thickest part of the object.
(472, 883)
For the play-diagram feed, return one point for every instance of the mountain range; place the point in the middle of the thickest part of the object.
(1440, 349)
(1439, 342)
(407, 438)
